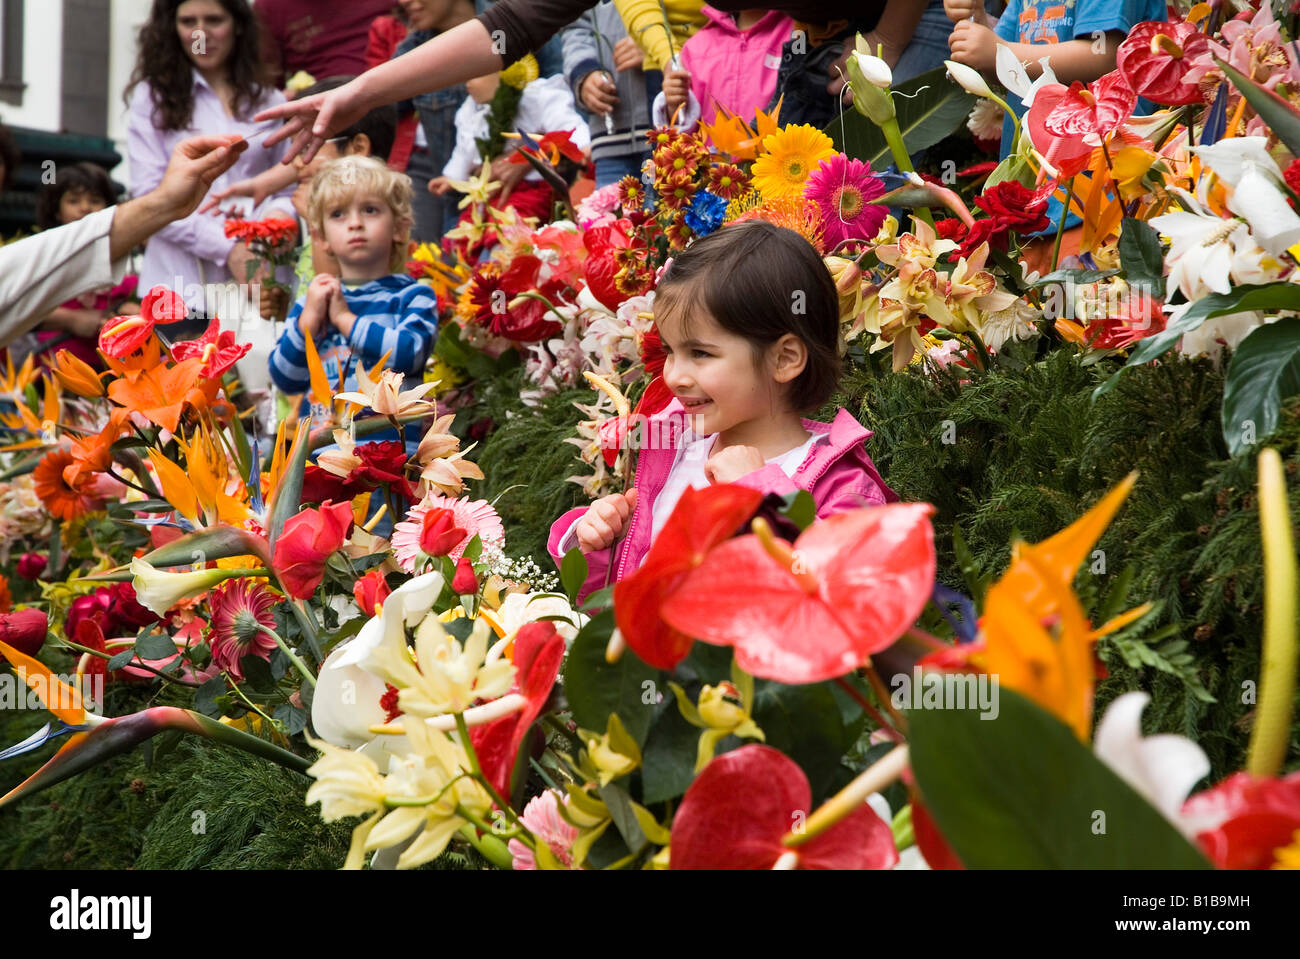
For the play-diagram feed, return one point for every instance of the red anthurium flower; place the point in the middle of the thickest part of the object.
(1155, 57)
(370, 591)
(1139, 317)
(217, 349)
(306, 543)
(528, 319)
(439, 534)
(1097, 108)
(123, 335)
(602, 265)
(1244, 820)
(746, 801)
(24, 630)
(702, 519)
(521, 274)
(851, 585)
(539, 650)
(1068, 155)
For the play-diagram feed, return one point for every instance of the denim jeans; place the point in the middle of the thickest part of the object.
(612, 169)
(437, 112)
(428, 217)
(929, 46)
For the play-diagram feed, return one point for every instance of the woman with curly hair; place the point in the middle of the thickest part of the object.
(198, 71)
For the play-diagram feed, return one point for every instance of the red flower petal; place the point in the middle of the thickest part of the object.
(743, 804)
(874, 569)
(539, 650)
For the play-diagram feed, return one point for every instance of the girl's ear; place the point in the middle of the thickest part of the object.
(789, 356)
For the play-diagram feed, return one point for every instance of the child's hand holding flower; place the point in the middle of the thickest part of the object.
(605, 521)
(730, 464)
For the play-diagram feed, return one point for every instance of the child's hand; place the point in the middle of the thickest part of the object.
(974, 44)
(341, 316)
(509, 175)
(959, 10)
(271, 301)
(440, 186)
(677, 86)
(730, 464)
(627, 55)
(605, 521)
(315, 311)
(598, 93)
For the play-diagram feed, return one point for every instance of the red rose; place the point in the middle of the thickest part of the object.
(383, 462)
(31, 565)
(308, 540)
(370, 591)
(439, 534)
(464, 582)
(1014, 207)
(24, 630)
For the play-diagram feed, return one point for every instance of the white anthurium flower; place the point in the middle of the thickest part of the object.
(1013, 75)
(968, 78)
(345, 704)
(1162, 769)
(159, 591)
(405, 606)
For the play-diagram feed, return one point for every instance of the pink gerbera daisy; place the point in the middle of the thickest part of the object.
(843, 189)
(238, 607)
(543, 819)
(475, 517)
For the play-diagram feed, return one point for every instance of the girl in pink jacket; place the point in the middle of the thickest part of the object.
(732, 61)
(749, 320)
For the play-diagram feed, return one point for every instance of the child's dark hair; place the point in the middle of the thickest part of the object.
(379, 125)
(762, 281)
(73, 178)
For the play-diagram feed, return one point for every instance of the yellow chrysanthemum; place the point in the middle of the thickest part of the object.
(792, 154)
(521, 73)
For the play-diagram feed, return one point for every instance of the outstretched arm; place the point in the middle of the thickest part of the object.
(460, 54)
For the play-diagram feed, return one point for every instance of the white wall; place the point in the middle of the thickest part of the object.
(42, 68)
(127, 16)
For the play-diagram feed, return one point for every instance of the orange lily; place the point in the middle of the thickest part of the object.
(94, 453)
(731, 135)
(1038, 641)
(158, 393)
(77, 376)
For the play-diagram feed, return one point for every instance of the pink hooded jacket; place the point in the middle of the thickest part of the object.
(838, 473)
(738, 68)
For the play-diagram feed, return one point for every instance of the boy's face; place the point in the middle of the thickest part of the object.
(330, 150)
(359, 232)
(76, 204)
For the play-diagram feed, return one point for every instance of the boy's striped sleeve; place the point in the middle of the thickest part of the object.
(289, 358)
(407, 331)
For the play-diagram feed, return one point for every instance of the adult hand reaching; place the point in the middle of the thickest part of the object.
(311, 120)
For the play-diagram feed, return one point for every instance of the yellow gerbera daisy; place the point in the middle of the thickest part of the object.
(793, 153)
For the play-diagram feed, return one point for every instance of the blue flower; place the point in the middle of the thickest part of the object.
(705, 213)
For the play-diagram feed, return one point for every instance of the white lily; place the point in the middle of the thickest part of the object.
(1245, 164)
(1162, 769)
(1205, 249)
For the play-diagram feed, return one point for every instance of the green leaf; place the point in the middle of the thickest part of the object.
(155, 646)
(596, 688)
(1079, 277)
(1265, 370)
(619, 804)
(257, 673)
(205, 697)
(121, 659)
(573, 573)
(292, 718)
(1141, 256)
(800, 509)
(804, 722)
(668, 759)
(288, 497)
(1281, 117)
(929, 108)
(1266, 297)
(1021, 792)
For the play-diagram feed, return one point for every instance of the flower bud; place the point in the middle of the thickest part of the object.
(464, 582)
(869, 77)
(968, 78)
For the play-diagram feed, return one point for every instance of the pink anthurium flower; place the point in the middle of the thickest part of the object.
(745, 802)
(848, 588)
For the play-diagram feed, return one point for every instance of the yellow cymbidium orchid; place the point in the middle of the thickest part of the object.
(723, 711)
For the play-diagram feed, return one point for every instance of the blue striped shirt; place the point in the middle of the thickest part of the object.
(395, 315)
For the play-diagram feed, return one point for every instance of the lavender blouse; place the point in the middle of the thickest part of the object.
(185, 254)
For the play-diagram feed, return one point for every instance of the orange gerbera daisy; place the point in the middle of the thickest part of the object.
(61, 499)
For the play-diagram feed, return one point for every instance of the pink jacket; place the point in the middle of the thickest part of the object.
(738, 69)
(838, 473)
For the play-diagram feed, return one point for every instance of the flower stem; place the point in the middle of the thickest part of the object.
(1271, 734)
(1060, 226)
(293, 658)
(870, 710)
(882, 694)
(848, 800)
(248, 702)
(898, 149)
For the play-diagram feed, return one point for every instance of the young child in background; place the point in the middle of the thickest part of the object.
(644, 21)
(78, 190)
(1079, 39)
(731, 62)
(360, 211)
(743, 367)
(545, 106)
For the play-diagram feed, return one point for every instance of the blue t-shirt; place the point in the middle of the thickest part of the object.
(1043, 22)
